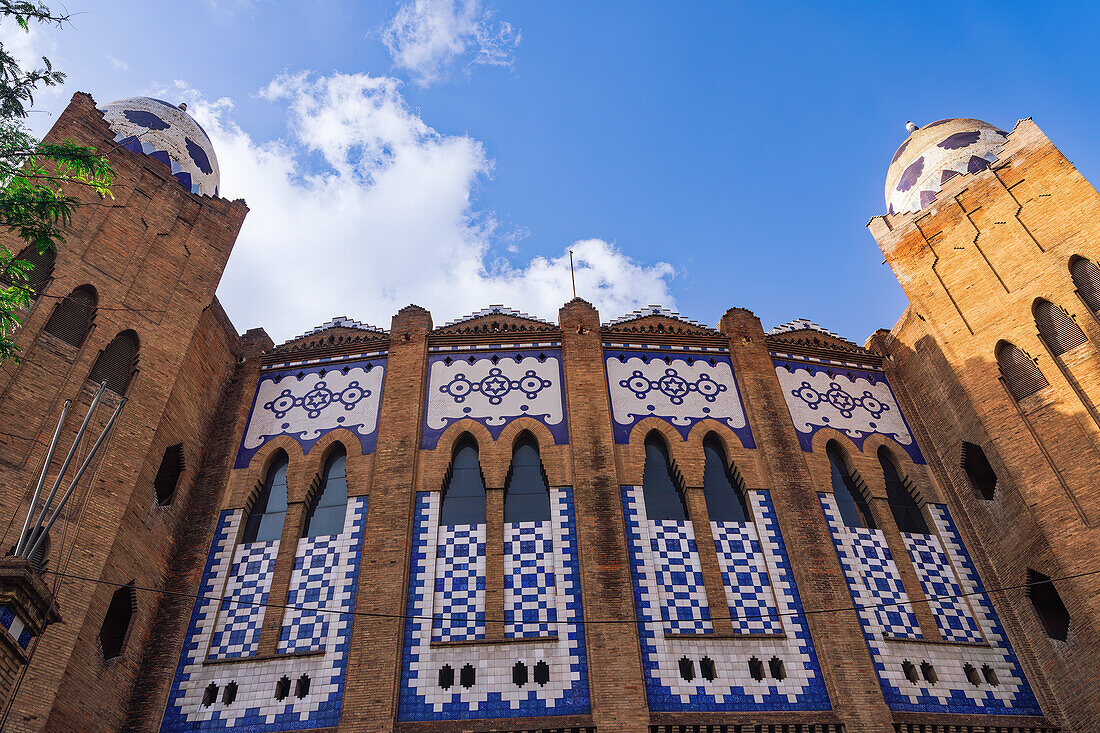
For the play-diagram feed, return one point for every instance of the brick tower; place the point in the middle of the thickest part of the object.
(994, 237)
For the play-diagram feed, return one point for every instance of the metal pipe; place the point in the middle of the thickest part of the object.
(41, 479)
(68, 459)
(76, 479)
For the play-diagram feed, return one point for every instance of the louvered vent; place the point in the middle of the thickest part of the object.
(116, 363)
(1020, 373)
(1060, 332)
(72, 317)
(1086, 276)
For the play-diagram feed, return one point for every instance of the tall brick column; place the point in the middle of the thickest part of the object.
(26, 609)
(614, 659)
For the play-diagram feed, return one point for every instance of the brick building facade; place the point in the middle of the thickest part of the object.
(510, 524)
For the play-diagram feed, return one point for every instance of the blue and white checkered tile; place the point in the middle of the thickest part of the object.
(882, 583)
(312, 585)
(945, 599)
(745, 577)
(11, 622)
(529, 589)
(675, 557)
(493, 694)
(255, 708)
(733, 688)
(242, 612)
(460, 583)
(952, 692)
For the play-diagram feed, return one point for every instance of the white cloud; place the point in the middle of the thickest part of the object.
(118, 65)
(427, 37)
(387, 217)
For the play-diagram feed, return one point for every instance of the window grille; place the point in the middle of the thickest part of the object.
(1060, 332)
(1020, 373)
(41, 271)
(116, 363)
(1086, 277)
(72, 317)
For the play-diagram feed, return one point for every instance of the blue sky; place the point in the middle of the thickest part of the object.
(449, 153)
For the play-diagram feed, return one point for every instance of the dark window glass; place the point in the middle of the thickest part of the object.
(116, 363)
(265, 520)
(112, 635)
(662, 497)
(41, 268)
(849, 499)
(468, 676)
(1059, 331)
(1022, 376)
(1048, 604)
(687, 669)
(464, 493)
(72, 317)
(519, 674)
(902, 504)
(978, 470)
(168, 475)
(526, 496)
(446, 676)
(326, 511)
(1086, 277)
(707, 669)
(756, 669)
(542, 673)
(725, 502)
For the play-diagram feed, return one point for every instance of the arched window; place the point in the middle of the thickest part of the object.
(168, 475)
(721, 489)
(464, 491)
(978, 470)
(1060, 332)
(41, 267)
(326, 511)
(1086, 277)
(265, 519)
(903, 506)
(116, 363)
(526, 493)
(1020, 373)
(112, 634)
(1048, 604)
(849, 499)
(72, 317)
(662, 496)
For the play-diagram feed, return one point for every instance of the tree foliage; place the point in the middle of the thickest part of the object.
(36, 178)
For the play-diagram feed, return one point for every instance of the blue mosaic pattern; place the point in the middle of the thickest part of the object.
(745, 578)
(14, 626)
(953, 693)
(733, 689)
(529, 588)
(242, 612)
(460, 583)
(493, 695)
(312, 586)
(684, 608)
(883, 588)
(950, 609)
(255, 710)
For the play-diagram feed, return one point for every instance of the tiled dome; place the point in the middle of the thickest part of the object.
(166, 132)
(934, 154)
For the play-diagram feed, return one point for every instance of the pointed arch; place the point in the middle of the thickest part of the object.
(72, 316)
(663, 496)
(849, 499)
(722, 487)
(464, 487)
(1022, 376)
(1058, 329)
(115, 364)
(268, 511)
(325, 515)
(1086, 278)
(42, 264)
(526, 490)
(903, 505)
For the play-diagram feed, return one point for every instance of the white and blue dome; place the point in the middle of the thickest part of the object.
(166, 132)
(933, 155)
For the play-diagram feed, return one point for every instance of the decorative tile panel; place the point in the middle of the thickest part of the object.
(745, 577)
(952, 692)
(432, 675)
(733, 688)
(680, 388)
(255, 708)
(856, 402)
(529, 586)
(313, 584)
(494, 388)
(307, 402)
(15, 627)
(242, 613)
(883, 590)
(679, 576)
(460, 583)
(945, 598)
